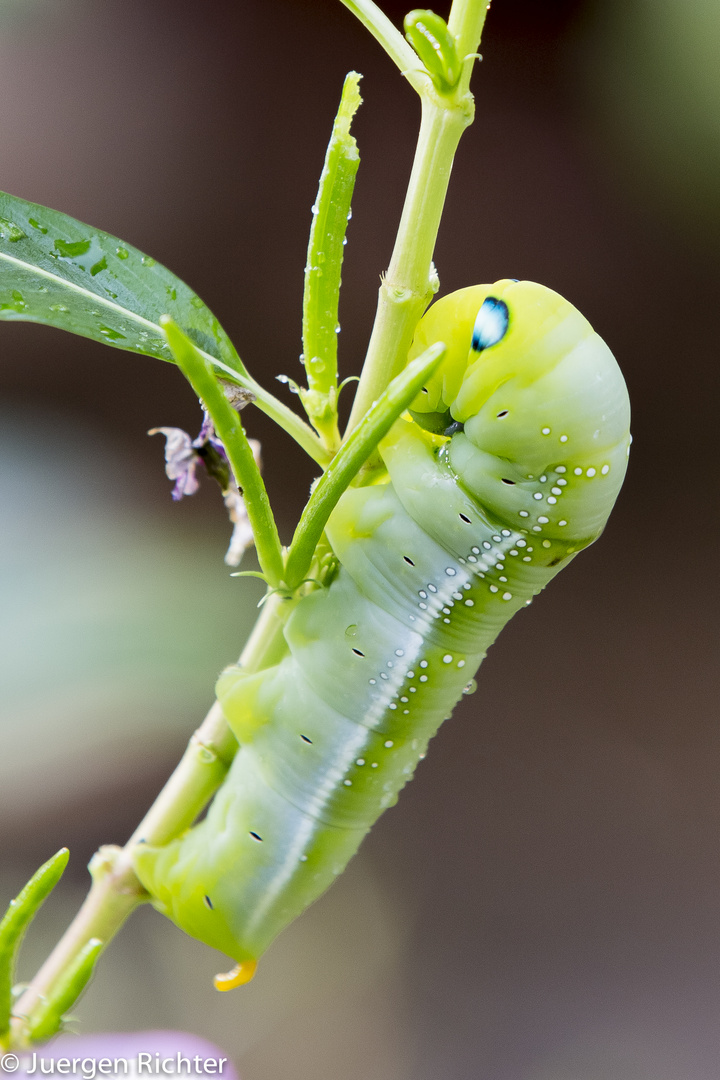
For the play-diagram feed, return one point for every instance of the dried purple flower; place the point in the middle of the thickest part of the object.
(182, 457)
(181, 460)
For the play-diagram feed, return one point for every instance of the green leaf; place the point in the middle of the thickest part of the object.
(57, 271)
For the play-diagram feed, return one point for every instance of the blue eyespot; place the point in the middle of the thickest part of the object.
(491, 324)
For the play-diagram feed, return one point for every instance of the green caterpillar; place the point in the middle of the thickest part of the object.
(510, 465)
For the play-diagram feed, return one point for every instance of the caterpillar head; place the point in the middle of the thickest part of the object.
(534, 402)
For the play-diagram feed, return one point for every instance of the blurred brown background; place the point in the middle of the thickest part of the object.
(544, 901)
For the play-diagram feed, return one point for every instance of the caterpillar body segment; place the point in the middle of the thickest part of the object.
(433, 562)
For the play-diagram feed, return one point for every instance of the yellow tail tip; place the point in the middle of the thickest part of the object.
(242, 973)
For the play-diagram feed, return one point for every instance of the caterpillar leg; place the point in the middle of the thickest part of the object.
(242, 973)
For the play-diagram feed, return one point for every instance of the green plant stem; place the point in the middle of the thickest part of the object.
(283, 416)
(266, 402)
(466, 22)
(392, 41)
(406, 289)
(116, 891)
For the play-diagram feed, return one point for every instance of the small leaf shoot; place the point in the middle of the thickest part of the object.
(48, 1018)
(331, 213)
(430, 38)
(20, 913)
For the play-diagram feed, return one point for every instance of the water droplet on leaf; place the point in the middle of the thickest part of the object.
(71, 249)
(10, 231)
(113, 335)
